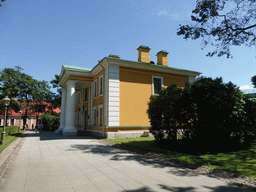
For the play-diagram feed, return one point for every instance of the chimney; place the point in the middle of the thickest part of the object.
(162, 58)
(143, 54)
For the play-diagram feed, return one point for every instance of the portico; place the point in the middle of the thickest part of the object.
(70, 85)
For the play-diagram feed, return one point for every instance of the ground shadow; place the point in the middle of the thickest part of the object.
(121, 153)
(52, 136)
(229, 188)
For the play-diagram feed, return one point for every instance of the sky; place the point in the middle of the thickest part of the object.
(42, 35)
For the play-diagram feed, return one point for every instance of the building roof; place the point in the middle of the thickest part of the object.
(68, 70)
(12, 113)
(74, 68)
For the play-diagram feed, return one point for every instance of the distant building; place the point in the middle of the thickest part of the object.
(250, 93)
(15, 119)
(111, 100)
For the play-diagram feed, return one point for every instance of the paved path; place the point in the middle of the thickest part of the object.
(51, 162)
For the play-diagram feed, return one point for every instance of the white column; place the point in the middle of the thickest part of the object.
(63, 110)
(69, 129)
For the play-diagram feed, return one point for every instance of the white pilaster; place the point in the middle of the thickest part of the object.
(113, 104)
(63, 110)
(69, 129)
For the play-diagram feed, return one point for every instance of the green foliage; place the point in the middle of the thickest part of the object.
(207, 110)
(51, 122)
(56, 101)
(253, 80)
(163, 114)
(222, 23)
(218, 110)
(30, 92)
(9, 130)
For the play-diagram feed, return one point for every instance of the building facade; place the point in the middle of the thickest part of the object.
(111, 100)
(17, 119)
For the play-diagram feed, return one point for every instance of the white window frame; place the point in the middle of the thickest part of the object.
(94, 120)
(100, 123)
(101, 85)
(153, 89)
(95, 88)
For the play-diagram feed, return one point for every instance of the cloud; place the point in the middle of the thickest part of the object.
(162, 13)
(174, 15)
(244, 87)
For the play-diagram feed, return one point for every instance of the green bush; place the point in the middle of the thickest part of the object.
(51, 122)
(163, 113)
(211, 113)
(9, 130)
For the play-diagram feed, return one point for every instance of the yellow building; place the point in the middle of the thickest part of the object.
(111, 100)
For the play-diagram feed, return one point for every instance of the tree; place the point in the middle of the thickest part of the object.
(254, 81)
(163, 113)
(211, 112)
(56, 98)
(29, 92)
(222, 23)
(1, 1)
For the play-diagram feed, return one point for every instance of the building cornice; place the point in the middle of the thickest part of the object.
(150, 67)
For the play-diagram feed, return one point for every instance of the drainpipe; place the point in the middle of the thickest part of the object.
(104, 104)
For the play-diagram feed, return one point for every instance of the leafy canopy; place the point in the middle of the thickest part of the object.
(222, 24)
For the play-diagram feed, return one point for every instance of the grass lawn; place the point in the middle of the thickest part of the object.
(10, 137)
(241, 161)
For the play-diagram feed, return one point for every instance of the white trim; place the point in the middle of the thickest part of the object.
(106, 95)
(113, 97)
(101, 77)
(162, 82)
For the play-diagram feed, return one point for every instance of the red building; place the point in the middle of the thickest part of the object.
(17, 119)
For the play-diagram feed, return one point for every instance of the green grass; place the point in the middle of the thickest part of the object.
(240, 161)
(11, 135)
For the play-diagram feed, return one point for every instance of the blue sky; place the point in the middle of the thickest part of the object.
(43, 35)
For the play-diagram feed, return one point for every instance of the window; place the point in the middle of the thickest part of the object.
(11, 122)
(157, 84)
(85, 94)
(94, 116)
(100, 115)
(1, 121)
(95, 88)
(101, 85)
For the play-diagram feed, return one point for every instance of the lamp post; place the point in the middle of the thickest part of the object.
(6, 102)
(20, 119)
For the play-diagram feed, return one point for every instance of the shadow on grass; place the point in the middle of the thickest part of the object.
(148, 159)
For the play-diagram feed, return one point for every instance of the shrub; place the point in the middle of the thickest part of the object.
(51, 122)
(163, 113)
(211, 113)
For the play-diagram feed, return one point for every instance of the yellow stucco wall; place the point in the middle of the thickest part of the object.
(135, 91)
(100, 98)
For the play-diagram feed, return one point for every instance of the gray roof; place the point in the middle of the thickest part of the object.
(74, 68)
